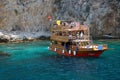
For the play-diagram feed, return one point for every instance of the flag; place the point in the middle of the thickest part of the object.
(49, 18)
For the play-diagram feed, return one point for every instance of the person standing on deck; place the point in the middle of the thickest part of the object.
(77, 35)
(81, 35)
(70, 37)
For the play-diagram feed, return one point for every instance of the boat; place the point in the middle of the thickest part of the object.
(70, 38)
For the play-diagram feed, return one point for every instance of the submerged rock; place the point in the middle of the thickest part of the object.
(2, 40)
(43, 38)
(110, 37)
(4, 54)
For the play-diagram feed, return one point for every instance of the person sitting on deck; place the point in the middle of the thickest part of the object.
(55, 25)
(77, 24)
(72, 24)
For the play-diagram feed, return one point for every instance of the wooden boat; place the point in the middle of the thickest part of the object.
(72, 39)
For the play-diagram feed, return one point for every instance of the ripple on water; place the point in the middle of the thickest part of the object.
(33, 61)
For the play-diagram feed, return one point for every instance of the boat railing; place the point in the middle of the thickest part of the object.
(67, 38)
(68, 28)
(96, 46)
(90, 47)
(57, 47)
(60, 38)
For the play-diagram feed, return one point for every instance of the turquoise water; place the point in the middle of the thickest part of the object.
(33, 61)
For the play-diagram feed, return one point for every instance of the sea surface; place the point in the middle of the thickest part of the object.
(33, 61)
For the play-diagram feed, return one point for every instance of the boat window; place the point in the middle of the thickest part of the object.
(62, 43)
(63, 34)
(54, 42)
(74, 43)
(52, 31)
(60, 33)
(84, 43)
(59, 43)
(73, 33)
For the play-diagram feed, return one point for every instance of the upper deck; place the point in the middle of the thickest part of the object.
(68, 30)
(69, 26)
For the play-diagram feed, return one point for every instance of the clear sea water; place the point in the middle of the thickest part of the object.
(33, 61)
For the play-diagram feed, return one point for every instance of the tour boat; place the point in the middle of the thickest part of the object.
(70, 38)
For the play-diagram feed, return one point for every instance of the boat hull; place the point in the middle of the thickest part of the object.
(79, 53)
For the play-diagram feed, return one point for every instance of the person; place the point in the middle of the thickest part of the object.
(70, 37)
(77, 35)
(66, 24)
(77, 45)
(72, 24)
(55, 25)
(67, 45)
(81, 35)
(77, 24)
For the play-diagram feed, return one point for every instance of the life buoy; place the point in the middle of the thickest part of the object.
(69, 51)
(74, 53)
(55, 49)
(63, 51)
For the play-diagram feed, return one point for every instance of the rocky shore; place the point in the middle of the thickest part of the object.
(17, 36)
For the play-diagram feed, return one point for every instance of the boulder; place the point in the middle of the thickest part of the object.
(4, 54)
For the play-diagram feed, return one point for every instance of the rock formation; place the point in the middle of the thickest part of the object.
(103, 16)
(29, 17)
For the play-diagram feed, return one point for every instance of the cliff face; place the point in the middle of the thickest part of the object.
(24, 15)
(103, 16)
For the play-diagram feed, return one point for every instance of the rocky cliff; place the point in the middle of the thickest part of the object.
(29, 17)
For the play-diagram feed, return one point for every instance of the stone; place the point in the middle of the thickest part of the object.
(31, 15)
(4, 54)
